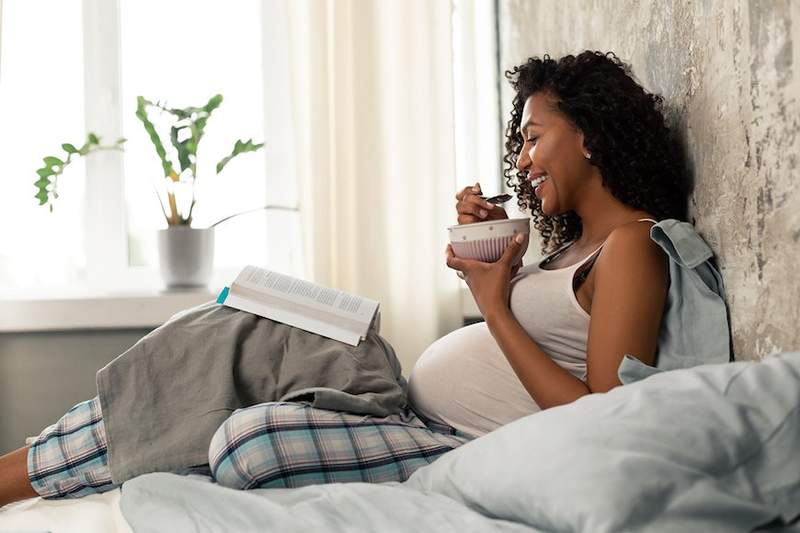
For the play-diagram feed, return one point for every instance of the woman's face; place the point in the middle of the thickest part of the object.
(552, 149)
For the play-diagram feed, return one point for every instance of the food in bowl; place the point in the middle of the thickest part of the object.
(486, 241)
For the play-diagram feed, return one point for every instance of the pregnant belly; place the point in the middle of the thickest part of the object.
(465, 381)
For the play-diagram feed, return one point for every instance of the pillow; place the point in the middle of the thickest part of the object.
(710, 448)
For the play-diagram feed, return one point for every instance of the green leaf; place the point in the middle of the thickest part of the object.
(204, 113)
(141, 114)
(213, 103)
(239, 148)
(42, 194)
(184, 148)
(55, 166)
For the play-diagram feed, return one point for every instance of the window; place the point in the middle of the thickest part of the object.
(199, 50)
(41, 106)
(81, 70)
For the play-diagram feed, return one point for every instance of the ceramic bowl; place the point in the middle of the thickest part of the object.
(486, 241)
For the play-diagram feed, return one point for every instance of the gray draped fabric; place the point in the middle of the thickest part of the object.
(163, 399)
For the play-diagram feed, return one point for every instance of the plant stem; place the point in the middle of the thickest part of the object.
(160, 203)
(173, 206)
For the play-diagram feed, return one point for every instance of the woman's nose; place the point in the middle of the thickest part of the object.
(523, 161)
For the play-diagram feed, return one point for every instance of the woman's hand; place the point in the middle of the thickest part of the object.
(471, 208)
(489, 282)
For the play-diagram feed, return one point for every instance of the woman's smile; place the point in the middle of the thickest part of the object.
(538, 184)
(541, 183)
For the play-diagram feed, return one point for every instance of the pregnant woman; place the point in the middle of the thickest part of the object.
(588, 152)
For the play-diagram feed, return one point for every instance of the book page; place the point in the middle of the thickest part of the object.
(298, 319)
(336, 302)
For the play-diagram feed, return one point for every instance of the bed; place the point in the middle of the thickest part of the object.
(98, 513)
(711, 448)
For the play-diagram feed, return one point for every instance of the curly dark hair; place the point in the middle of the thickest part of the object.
(641, 162)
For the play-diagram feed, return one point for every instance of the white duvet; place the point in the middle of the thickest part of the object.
(98, 513)
(167, 502)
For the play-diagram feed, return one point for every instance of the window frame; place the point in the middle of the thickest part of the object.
(106, 228)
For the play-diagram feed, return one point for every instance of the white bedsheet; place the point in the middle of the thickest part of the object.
(168, 503)
(96, 513)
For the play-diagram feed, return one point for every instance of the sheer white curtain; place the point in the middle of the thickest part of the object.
(373, 112)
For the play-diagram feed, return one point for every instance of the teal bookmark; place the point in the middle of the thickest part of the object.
(222, 295)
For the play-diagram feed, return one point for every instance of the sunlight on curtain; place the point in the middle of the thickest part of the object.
(373, 103)
(181, 53)
(41, 107)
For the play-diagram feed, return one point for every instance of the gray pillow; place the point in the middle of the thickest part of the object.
(710, 448)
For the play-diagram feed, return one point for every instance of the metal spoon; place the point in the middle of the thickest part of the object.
(499, 199)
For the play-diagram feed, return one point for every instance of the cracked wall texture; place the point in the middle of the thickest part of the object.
(729, 71)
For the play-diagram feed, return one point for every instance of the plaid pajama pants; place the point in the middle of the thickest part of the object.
(68, 459)
(277, 444)
(283, 444)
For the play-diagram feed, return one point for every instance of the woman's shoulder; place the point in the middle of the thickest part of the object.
(629, 249)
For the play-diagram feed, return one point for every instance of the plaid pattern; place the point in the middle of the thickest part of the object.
(279, 444)
(284, 444)
(68, 459)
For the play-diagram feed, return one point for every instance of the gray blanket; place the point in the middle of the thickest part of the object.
(163, 399)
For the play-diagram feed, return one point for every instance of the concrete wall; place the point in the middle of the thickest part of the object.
(730, 73)
(44, 374)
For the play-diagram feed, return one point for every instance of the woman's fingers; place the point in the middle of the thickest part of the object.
(450, 258)
(495, 213)
(510, 253)
(473, 208)
(472, 189)
(456, 263)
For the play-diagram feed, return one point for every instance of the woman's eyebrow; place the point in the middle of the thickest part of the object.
(526, 125)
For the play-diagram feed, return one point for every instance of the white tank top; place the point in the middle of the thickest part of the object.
(464, 379)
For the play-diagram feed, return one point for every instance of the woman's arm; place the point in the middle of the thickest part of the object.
(630, 289)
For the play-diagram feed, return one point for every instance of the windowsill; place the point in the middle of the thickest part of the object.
(89, 311)
(118, 310)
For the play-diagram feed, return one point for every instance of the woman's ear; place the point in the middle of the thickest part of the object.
(584, 150)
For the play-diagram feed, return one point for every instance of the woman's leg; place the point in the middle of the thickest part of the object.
(67, 460)
(14, 482)
(286, 444)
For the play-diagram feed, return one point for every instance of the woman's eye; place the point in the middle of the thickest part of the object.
(532, 140)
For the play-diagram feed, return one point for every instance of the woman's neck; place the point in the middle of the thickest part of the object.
(601, 215)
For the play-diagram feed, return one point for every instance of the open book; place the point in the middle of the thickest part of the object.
(328, 312)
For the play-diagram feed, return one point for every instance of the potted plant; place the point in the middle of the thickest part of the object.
(185, 253)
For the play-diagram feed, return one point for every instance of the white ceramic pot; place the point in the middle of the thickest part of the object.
(186, 256)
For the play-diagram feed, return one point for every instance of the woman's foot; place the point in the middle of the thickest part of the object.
(14, 482)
